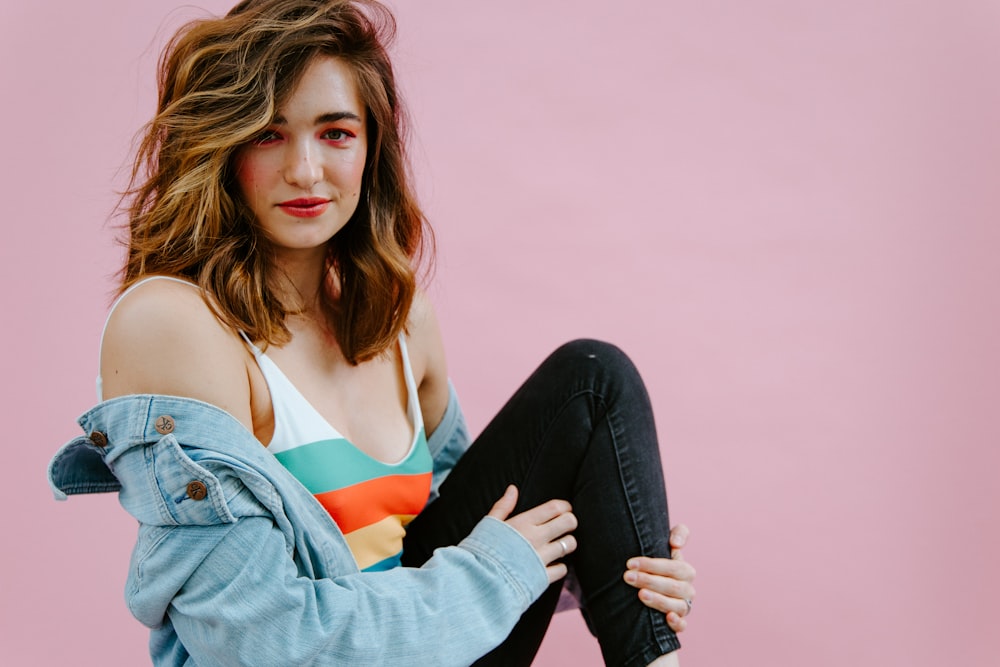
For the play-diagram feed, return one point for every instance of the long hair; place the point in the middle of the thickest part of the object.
(221, 81)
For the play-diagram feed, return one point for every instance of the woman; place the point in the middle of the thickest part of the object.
(269, 298)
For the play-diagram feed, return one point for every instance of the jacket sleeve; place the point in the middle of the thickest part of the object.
(448, 442)
(245, 604)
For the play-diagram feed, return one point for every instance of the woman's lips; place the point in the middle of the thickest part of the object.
(308, 207)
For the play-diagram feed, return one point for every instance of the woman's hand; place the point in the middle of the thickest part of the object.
(547, 527)
(665, 584)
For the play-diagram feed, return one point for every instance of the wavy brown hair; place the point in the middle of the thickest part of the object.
(221, 81)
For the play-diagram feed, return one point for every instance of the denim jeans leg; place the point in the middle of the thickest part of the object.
(580, 428)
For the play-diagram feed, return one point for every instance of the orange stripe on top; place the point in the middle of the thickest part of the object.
(369, 502)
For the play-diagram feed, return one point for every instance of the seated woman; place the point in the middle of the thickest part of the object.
(275, 409)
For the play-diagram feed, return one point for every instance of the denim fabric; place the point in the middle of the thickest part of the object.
(448, 442)
(580, 428)
(236, 563)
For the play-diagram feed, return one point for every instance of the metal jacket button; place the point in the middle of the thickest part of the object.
(197, 491)
(164, 424)
(99, 439)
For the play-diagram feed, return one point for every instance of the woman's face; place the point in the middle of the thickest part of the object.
(302, 176)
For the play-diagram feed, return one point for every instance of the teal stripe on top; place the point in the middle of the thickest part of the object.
(328, 465)
(386, 564)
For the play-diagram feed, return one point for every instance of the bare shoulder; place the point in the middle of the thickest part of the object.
(425, 344)
(428, 358)
(162, 338)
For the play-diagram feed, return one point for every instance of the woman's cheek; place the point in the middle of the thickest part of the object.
(358, 175)
(244, 177)
(249, 175)
(356, 169)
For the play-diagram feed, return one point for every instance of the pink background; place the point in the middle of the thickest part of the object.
(786, 210)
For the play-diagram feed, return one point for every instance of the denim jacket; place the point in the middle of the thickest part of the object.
(236, 563)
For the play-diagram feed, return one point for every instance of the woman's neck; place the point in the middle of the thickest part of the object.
(304, 274)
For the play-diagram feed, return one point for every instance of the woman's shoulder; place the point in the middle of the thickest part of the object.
(157, 306)
(424, 333)
(157, 289)
(163, 338)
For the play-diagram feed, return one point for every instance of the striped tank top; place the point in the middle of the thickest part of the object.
(370, 500)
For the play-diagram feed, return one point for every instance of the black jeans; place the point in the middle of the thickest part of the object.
(580, 428)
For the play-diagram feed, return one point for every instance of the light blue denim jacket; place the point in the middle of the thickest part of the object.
(237, 563)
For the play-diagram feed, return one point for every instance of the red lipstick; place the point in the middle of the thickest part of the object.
(305, 207)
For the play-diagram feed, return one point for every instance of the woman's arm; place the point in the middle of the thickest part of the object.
(245, 603)
(428, 359)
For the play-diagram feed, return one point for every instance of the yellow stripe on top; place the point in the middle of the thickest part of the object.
(376, 543)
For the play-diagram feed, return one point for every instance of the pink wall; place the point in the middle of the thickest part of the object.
(785, 210)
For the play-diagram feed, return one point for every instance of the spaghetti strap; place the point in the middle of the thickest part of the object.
(253, 348)
(407, 369)
(413, 403)
(100, 349)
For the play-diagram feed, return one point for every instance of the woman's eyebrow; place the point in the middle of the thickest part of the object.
(339, 115)
(331, 117)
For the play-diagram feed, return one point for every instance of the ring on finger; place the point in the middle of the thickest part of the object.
(690, 603)
(562, 545)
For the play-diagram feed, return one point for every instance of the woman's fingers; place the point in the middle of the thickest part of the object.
(676, 622)
(555, 572)
(678, 589)
(556, 531)
(665, 567)
(547, 528)
(550, 511)
(503, 507)
(678, 538)
(663, 603)
(545, 523)
(665, 585)
(560, 547)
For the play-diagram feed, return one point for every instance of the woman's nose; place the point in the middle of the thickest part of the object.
(303, 167)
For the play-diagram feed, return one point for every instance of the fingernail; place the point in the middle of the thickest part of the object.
(633, 564)
(631, 577)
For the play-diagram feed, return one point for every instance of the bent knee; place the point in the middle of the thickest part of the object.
(587, 351)
(589, 348)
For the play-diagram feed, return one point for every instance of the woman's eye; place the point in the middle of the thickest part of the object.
(336, 135)
(266, 137)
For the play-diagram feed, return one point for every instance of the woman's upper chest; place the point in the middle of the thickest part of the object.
(369, 404)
